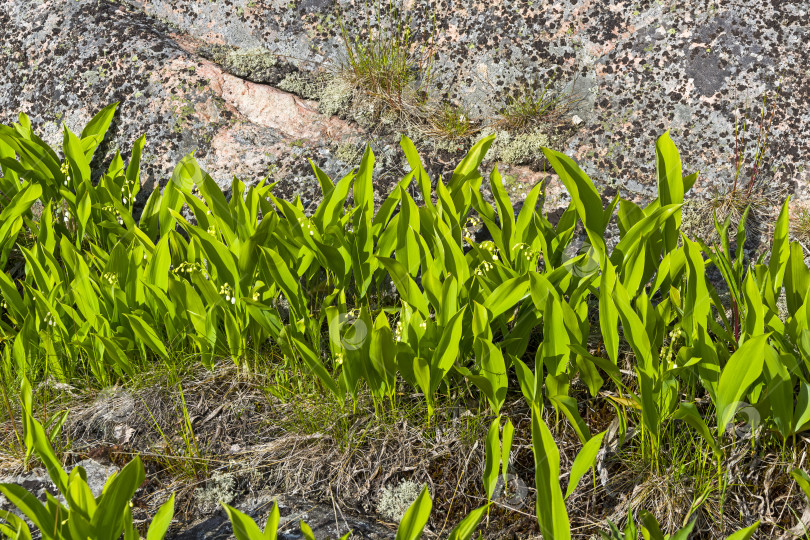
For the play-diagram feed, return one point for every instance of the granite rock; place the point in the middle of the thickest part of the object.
(639, 67)
(204, 76)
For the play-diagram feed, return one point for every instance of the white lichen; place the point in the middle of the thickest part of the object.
(250, 60)
(335, 97)
(349, 153)
(395, 501)
(696, 220)
(299, 85)
(519, 149)
(220, 488)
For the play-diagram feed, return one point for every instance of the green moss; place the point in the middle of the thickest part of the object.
(184, 110)
(272, 169)
(510, 181)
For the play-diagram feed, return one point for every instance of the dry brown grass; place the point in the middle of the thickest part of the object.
(800, 223)
(728, 202)
(305, 446)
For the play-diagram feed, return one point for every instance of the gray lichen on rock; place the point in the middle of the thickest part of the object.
(394, 501)
(697, 221)
(521, 148)
(248, 63)
(305, 86)
(91, 77)
(220, 488)
(336, 98)
(349, 153)
(255, 64)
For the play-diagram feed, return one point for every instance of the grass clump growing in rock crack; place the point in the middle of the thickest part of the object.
(532, 104)
(385, 61)
(748, 189)
(386, 81)
(452, 122)
(800, 223)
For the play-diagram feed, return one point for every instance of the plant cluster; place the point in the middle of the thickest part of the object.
(108, 516)
(391, 72)
(386, 62)
(101, 295)
(748, 190)
(530, 105)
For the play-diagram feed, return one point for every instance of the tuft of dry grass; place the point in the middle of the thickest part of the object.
(534, 104)
(762, 199)
(800, 223)
(270, 440)
(452, 122)
(749, 189)
(385, 62)
(303, 445)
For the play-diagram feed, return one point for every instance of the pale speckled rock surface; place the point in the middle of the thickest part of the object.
(641, 66)
(63, 60)
(39, 484)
